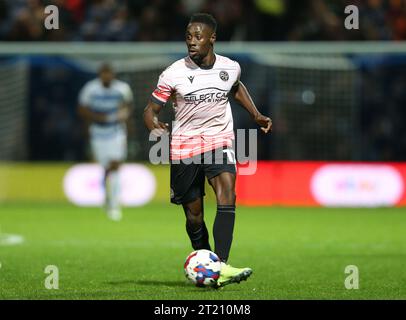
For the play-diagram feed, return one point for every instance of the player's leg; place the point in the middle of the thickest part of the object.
(222, 175)
(187, 188)
(112, 189)
(224, 188)
(100, 154)
(195, 225)
(110, 153)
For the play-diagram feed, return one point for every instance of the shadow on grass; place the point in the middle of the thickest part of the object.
(180, 284)
(174, 284)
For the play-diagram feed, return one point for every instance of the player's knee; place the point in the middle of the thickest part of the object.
(113, 165)
(194, 217)
(226, 195)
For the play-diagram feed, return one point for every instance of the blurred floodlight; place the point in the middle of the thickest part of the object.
(308, 97)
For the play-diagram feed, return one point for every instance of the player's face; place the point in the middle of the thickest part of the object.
(199, 40)
(106, 76)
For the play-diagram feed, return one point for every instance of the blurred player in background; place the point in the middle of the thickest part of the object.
(200, 85)
(105, 103)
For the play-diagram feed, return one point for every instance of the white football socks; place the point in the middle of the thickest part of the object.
(113, 190)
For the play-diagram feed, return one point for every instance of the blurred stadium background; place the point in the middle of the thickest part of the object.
(331, 100)
(337, 97)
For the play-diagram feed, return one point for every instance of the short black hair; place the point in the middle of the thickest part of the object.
(205, 18)
(105, 66)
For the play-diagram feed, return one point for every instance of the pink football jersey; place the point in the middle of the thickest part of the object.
(203, 118)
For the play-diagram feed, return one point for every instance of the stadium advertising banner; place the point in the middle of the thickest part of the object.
(83, 185)
(280, 183)
(324, 184)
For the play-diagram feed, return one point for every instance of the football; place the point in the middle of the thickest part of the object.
(202, 267)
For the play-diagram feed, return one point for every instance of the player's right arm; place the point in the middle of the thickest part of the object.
(84, 109)
(159, 97)
(90, 116)
(151, 121)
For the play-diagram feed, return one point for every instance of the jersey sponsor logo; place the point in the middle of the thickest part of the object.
(224, 75)
(191, 78)
(211, 94)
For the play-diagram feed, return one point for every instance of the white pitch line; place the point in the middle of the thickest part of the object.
(10, 239)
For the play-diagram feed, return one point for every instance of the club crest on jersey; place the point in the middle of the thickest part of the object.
(224, 75)
(191, 78)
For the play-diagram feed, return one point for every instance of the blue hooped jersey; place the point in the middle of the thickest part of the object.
(104, 100)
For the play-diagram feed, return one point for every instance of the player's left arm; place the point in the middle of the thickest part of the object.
(125, 111)
(242, 96)
(127, 106)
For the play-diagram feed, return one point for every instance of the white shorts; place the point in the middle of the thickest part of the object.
(108, 149)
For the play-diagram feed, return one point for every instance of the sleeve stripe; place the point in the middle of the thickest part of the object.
(161, 97)
(164, 88)
(162, 94)
(157, 101)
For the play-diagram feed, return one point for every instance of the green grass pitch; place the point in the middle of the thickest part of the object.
(296, 253)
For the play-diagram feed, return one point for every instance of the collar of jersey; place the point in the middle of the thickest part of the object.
(205, 68)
